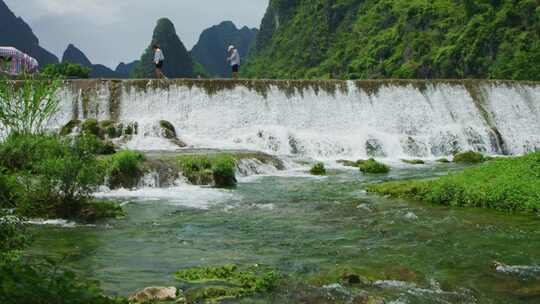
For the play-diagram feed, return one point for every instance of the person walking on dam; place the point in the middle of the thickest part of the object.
(234, 60)
(159, 58)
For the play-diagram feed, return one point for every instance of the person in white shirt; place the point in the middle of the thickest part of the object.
(158, 61)
(234, 61)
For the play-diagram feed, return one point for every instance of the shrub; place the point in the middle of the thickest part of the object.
(205, 170)
(53, 177)
(26, 107)
(224, 172)
(125, 169)
(40, 281)
(372, 166)
(318, 169)
(10, 190)
(469, 157)
(503, 184)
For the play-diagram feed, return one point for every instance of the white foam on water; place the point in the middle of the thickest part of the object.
(181, 195)
(54, 222)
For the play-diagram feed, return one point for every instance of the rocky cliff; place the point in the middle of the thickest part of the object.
(211, 49)
(14, 31)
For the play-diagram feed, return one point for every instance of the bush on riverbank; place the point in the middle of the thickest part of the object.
(208, 169)
(125, 168)
(49, 177)
(373, 166)
(503, 184)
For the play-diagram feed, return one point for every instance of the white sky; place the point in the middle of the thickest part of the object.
(111, 31)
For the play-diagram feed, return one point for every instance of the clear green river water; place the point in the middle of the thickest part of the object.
(312, 230)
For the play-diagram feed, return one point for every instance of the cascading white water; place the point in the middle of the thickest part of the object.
(357, 119)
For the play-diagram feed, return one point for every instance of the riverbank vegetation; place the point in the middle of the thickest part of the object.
(511, 184)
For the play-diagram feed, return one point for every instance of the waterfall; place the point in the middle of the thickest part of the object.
(319, 119)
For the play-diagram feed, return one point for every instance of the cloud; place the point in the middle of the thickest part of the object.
(110, 31)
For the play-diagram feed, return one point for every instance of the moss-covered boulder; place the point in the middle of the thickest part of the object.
(374, 167)
(469, 157)
(91, 126)
(168, 131)
(443, 160)
(70, 127)
(318, 169)
(111, 128)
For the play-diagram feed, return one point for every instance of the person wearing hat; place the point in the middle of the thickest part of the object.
(234, 61)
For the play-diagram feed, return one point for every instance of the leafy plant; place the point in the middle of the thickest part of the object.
(27, 106)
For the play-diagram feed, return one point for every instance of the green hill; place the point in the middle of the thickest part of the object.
(178, 62)
(398, 39)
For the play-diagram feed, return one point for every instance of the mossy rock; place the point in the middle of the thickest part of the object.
(347, 163)
(168, 129)
(91, 126)
(443, 160)
(318, 169)
(374, 167)
(469, 157)
(70, 127)
(130, 129)
(111, 128)
(413, 161)
(374, 148)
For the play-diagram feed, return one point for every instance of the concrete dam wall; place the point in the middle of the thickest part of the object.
(320, 119)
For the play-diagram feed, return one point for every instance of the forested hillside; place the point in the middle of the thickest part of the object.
(398, 39)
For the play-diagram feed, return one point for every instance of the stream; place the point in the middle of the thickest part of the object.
(311, 229)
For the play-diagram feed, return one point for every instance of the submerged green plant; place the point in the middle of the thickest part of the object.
(227, 281)
(27, 106)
